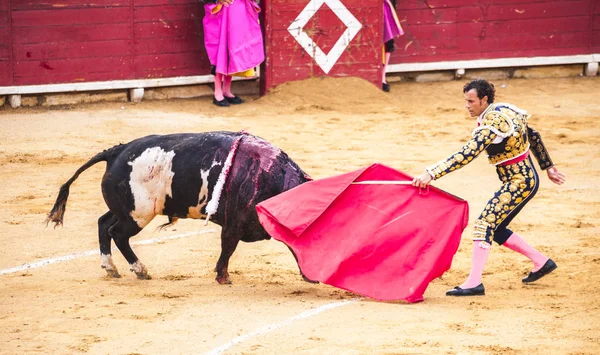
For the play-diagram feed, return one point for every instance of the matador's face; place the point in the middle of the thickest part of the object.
(474, 104)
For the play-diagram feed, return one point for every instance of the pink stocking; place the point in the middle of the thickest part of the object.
(227, 86)
(516, 243)
(387, 61)
(480, 256)
(219, 87)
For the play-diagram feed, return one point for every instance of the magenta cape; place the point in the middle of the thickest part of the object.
(232, 36)
(391, 23)
(387, 242)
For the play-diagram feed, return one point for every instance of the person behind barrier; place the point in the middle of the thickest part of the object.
(234, 44)
(391, 30)
(503, 132)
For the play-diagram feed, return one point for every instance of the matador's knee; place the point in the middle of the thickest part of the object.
(483, 233)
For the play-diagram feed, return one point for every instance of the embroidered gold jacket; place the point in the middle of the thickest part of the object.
(504, 134)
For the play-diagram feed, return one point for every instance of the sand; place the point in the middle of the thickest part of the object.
(328, 126)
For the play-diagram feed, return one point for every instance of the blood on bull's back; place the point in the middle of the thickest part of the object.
(177, 176)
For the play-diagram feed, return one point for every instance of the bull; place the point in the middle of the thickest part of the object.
(177, 176)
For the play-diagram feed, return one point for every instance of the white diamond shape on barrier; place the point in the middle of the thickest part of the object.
(325, 61)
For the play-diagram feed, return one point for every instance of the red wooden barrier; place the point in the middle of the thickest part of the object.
(70, 41)
(306, 38)
(448, 30)
(74, 41)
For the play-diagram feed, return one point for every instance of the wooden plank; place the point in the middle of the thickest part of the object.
(421, 32)
(285, 58)
(432, 4)
(169, 45)
(516, 2)
(62, 50)
(538, 10)
(170, 73)
(4, 52)
(169, 13)
(527, 26)
(109, 85)
(158, 62)
(595, 42)
(501, 57)
(71, 33)
(368, 71)
(159, 29)
(596, 23)
(284, 17)
(65, 4)
(77, 65)
(4, 35)
(427, 16)
(523, 42)
(81, 77)
(3, 19)
(5, 73)
(301, 4)
(505, 62)
(285, 41)
(58, 17)
(139, 3)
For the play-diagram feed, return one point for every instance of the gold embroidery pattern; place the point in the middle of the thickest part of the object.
(468, 152)
(516, 143)
(538, 149)
(518, 183)
(497, 120)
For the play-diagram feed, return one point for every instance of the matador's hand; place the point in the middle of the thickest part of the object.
(422, 180)
(555, 176)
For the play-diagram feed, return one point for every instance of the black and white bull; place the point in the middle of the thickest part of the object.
(175, 175)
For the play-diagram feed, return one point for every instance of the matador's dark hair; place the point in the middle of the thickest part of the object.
(483, 88)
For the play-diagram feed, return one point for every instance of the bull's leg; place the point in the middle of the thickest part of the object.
(121, 232)
(229, 241)
(104, 223)
(301, 273)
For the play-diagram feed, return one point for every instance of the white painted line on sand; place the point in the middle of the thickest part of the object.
(95, 252)
(275, 326)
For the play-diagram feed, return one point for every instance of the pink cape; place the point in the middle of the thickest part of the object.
(383, 241)
(391, 23)
(233, 37)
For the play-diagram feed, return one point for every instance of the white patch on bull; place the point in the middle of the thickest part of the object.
(107, 262)
(196, 211)
(150, 181)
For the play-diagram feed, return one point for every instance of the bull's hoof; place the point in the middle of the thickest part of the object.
(144, 276)
(112, 273)
(309, 280)
(224, 280)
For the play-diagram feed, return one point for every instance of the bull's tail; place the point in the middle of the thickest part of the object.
(58, 211)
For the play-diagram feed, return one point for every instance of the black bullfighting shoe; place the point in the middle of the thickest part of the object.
(478, 290)
(533, 276)
(222, 103)
(236, 100)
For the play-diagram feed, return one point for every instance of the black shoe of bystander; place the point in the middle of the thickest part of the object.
(222, 103)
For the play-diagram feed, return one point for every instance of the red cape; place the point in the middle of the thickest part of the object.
(387, 242)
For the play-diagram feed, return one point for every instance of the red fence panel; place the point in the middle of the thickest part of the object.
(322, 37)
(65, 41)
(485, 29)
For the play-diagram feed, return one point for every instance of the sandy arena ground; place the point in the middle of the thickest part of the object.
(327, 127)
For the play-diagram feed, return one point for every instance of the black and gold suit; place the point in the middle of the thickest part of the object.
(504, 134)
